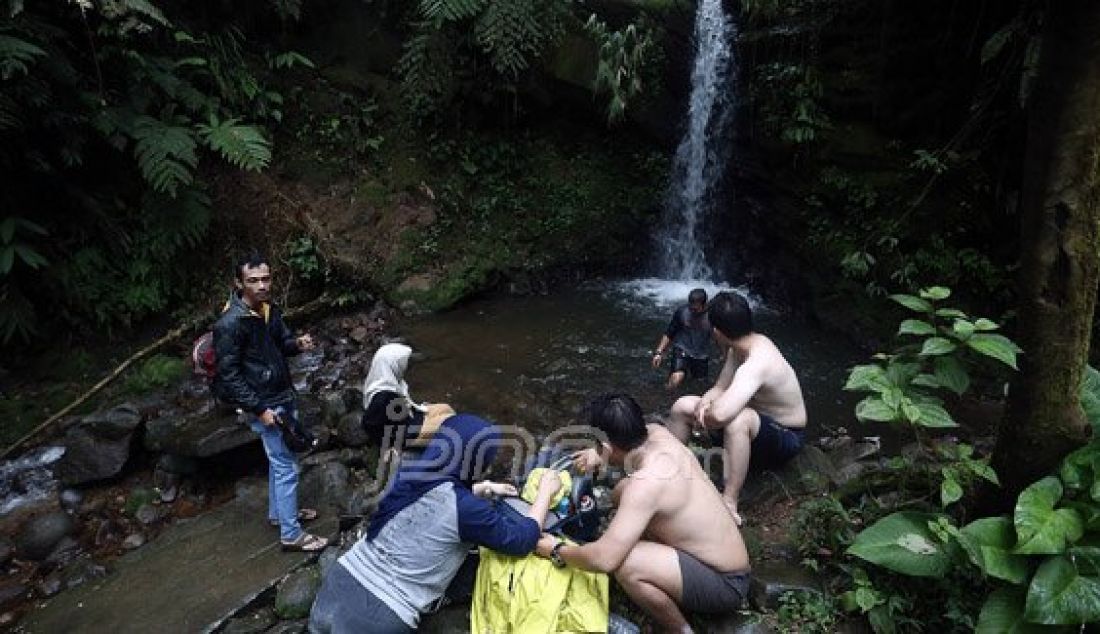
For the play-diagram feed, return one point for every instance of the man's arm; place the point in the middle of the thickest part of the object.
(283, 335)
(746, 381)
(636, 508)
(722, 383)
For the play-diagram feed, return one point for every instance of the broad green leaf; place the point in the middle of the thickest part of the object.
(951, 374)
(1042, 529)
(902, 542)
(872, 408)
(29, 256)
(936, 346)
(911, 412)
(950, 489)
(982, 469)
(932, 415)
(893, 398)
(1080, 468)
(963, 328)
(988, 542)
(1003, 613)
(1090, 396)
(916, 327)
(999, 347)
(1059, 595)
(935, 293)
(871, 378)
(902, 373)
(950, 313)
(7, 259)
(984, 324)
(996, 42)
(926, 380)
(881, 620)
(912, 303)
(1086, 556)
(1090, 514)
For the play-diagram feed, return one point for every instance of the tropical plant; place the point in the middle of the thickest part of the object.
(623, 57)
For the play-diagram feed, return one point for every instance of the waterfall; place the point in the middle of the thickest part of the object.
(700, 157)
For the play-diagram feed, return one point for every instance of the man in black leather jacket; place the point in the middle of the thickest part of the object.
(251, 343)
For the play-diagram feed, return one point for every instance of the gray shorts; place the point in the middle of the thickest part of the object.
(707, 590)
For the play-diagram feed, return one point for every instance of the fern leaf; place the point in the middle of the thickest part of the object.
(242, 145)
(450, 10)
(120, 8)
(15, 55)
(9, 114)
(165, 153)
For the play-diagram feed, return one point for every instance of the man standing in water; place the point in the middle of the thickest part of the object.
(688, 334)
(671, 545)
(251, 343)
(756, 400)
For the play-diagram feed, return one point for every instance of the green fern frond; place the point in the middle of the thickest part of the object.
(165, 153)
(16, 55)
(512, 32)
(450, 10)
(241, 145)
(121, 8)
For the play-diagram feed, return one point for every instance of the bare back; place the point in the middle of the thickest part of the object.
(688, 512)
(776, 390)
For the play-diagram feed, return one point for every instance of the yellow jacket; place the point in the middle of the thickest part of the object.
(528, 595)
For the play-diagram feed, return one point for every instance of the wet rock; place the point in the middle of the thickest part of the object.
(333, 406)
(82, 571)
(98, 445)
(363, 502)
(350, 430)
(6, 551)
(70, 500)
(201, 433)
(177, 464)
(149, 514)
(133, 541)
(809, 472)
(290, 627)
(49, 586)
(320, 458)
(258, 621)
(64, 552)
(772, 579)
(12, 591)
(38, 536)
(360, 335)
(325, 486)
(742, 622)
(846, 450)
(166, 484)
(108, 531)
(353, 399)
(296, 593)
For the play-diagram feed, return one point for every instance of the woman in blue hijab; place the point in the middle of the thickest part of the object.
(424, 526)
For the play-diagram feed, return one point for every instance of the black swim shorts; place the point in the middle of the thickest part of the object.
(707, 590)
(774, 444)
(681, 362)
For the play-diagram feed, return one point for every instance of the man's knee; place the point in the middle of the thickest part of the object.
(746, 423)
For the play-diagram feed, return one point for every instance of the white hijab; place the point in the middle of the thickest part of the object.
(387, 373)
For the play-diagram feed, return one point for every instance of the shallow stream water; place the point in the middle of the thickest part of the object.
(533, 361)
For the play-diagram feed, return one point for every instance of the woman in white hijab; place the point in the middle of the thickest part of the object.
(387, 403)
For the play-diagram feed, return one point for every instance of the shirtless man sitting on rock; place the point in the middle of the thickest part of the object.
(671, 544)
(756, 401)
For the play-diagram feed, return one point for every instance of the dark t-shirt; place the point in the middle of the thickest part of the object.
(378, 416)
(690, 332)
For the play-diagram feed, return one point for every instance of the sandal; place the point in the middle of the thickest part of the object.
(306, 543)
(304, 515)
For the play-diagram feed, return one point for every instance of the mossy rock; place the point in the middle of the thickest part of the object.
(297, 592)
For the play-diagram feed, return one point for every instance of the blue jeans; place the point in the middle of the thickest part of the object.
(282, 476)
(343, 606)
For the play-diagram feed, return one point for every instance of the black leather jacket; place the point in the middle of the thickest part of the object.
(251, 355)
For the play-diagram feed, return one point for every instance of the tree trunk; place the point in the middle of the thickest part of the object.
(1060, 245)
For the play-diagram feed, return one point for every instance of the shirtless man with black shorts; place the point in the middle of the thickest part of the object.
(671, 544)
(756, 402)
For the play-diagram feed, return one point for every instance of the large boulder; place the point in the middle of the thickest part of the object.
(199, 433)
(41, 534)
(98, 445)
(296, 593)
(325, 487)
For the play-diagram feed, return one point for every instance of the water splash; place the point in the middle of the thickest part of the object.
(29, 478)
(700, 157)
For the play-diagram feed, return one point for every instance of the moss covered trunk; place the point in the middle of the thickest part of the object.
(1060, 242)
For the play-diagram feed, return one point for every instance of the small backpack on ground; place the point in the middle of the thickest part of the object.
(203, 361)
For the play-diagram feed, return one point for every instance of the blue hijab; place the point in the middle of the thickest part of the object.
(461, 449)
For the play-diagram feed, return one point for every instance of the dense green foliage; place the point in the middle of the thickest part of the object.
(106, 112)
